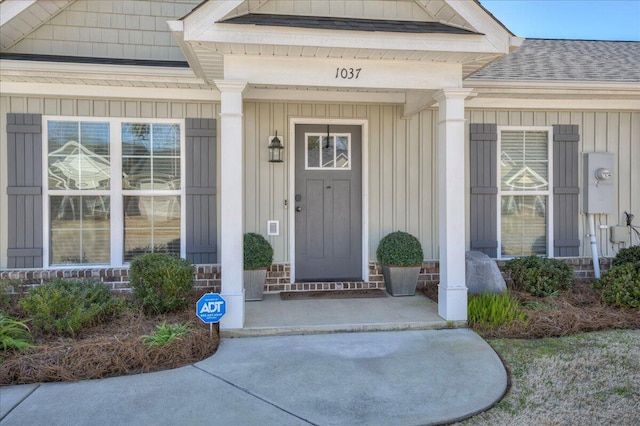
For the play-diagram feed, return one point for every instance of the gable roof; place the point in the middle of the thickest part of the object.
(567, 60)
(346, 24)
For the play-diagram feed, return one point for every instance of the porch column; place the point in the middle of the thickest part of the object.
(231, 202)
(452, 291)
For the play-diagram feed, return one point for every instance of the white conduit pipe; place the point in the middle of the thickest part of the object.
(594, 245)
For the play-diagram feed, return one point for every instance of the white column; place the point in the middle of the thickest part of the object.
(452, 291)
(231, 201)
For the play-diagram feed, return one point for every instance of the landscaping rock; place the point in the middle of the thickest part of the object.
(483, 275)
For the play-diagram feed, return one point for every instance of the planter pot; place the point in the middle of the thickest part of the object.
(401, 280)
(254, 284)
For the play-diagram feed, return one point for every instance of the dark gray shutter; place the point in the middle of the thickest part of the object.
(24, 189)
(484, 188)
(566, 239)
(201, 238)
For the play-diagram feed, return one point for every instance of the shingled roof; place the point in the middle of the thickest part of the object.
(567, 60)
(345, 24)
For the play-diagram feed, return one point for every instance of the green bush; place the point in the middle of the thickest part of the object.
(14, 334)
(161, 282)
(627, 255)
(400, 249)
(621, 285)
(539, 276)
(493, 310)
(64, 307)
(258, 253)
(166, 333)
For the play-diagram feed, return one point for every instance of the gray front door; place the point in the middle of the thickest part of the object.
(328, 203)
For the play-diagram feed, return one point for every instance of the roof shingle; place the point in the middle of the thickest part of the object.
(567, 60)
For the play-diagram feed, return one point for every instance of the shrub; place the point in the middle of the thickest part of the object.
(621, 285)
(166, 333)
(161, 282)
(540, 276)
(64, 307)
(493, 310)
(14, 334)
(258, 253)
(400, 249)
(627, 255)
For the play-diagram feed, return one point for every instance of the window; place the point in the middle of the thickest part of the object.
(113, 190)
(327, 152)
(524, 167)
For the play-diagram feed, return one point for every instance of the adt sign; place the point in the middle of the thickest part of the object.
(211, 307)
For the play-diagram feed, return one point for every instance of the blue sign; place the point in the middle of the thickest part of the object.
(211, 307)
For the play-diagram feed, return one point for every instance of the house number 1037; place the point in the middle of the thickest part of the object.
(348, 73)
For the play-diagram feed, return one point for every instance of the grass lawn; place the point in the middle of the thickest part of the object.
(584, 379)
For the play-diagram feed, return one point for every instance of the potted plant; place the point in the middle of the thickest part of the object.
(400, 255)
(258, 256)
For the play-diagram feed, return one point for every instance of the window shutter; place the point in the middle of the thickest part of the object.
(565, 190)
(201, 238)
(484, 188)
(24, 190)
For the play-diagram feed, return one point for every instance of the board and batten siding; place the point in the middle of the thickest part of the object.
(614, 132)
(402, 170)
(87, 108)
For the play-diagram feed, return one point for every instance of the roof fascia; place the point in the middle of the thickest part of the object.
(483, 22)
(100, 71)
(11, 9)
(242, 34)
(548, 84)
(201, 19)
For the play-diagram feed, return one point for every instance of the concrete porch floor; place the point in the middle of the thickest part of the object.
(275, 317)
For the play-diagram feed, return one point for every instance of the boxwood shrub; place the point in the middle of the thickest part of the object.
(627, 255)
(64, 307)
(621, 285)
(161, 282)
(400, 249)
(539, 276)
(258, 253)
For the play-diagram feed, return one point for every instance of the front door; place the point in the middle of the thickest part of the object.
(328, 203)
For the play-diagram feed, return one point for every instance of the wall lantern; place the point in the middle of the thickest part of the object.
(275, 149)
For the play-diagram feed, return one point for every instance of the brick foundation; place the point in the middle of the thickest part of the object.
(207, 277)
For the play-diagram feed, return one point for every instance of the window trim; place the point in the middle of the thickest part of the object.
(115, 191)
(548, 193)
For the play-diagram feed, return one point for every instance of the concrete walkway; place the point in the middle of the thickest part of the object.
(371, 378)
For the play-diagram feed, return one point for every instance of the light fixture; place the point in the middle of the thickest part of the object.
(275, 149)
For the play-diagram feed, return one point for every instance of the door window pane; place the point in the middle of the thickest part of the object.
(328, 152)
(80, 229)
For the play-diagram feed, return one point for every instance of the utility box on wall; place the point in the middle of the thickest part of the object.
(599, 182)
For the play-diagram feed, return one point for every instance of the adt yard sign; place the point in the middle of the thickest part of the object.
(211, 307)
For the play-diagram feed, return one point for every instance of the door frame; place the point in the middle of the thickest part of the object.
(364, 124)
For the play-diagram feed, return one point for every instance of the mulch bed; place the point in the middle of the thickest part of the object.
(333, 294)
(110, 349)
(579, 309)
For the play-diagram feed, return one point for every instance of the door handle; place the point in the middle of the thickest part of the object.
(298, 209)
